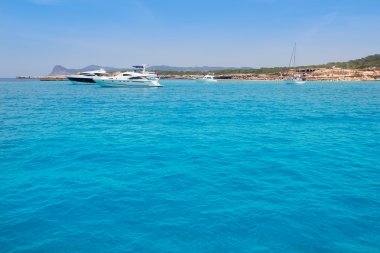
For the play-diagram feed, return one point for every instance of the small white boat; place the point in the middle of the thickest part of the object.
(137, 78)
(207, 78)
(86, 77)
(295, 80)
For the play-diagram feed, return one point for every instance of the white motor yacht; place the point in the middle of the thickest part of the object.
(207, 78)
(137, 78)
(86, 77)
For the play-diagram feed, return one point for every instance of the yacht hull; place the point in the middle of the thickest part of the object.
(206, 80)
(127, 83)
(295, 82)
(81, 80)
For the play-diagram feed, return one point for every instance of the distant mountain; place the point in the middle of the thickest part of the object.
(60, 70)
(191, 69)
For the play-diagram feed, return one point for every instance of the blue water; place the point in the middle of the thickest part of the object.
(227, 167)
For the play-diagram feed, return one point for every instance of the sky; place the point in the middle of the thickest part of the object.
(35, 35)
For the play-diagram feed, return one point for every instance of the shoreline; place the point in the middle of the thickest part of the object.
(317, 74)
(52, 79)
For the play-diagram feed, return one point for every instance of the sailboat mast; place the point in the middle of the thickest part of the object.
(295, 52)
(292, 62)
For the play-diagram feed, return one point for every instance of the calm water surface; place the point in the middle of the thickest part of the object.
(227, 167)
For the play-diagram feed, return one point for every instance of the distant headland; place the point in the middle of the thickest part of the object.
(364, 69)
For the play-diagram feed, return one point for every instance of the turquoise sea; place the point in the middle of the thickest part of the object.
(226, 167)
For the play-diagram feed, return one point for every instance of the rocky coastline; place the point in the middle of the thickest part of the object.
(318, 74)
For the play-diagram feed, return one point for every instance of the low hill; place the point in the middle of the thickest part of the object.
(372, 61)
(366, 62)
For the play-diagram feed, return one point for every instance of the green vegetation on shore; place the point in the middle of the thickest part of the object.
(366, 62)
(225, 71)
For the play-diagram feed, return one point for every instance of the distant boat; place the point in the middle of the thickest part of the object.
(137, 78)
(86, 77)
(207, 78)
(295, 78)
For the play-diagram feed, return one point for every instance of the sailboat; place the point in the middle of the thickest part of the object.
(295, 78)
